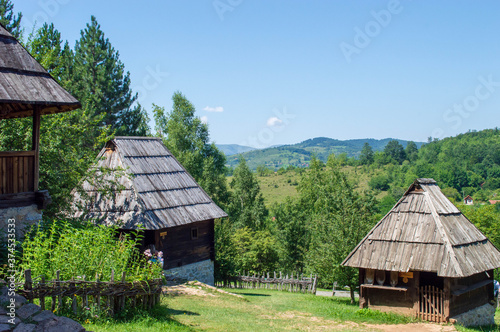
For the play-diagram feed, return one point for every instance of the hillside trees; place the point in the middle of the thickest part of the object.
(366, 156)
(339, 219)
(246, 204)
(396, 151)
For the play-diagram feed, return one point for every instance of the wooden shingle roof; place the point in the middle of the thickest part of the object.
(24, 83)
(424, 231)
(156, 192)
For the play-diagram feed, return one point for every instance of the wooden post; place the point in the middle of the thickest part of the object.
(59, 297)
(73, 290)
(54, 299)
(122, 300)
(110, 297)
(416, 292)
(446, 296)
(42, 296)
(85, 297)
(98, 295)
(28, 285)
(35, 146)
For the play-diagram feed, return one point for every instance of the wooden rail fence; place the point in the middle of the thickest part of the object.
(279, 282)
(109, 295)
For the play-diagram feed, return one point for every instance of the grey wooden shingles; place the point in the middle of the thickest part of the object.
(159, 192)
(424, 231)
(25, 83)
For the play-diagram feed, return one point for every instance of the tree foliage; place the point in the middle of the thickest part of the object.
(339, 219)
(395, 150)
(188, 140)
(102, 85)
(10, 21)
(246, 204)
(366, 157)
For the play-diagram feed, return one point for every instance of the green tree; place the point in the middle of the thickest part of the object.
(10, 21)
(246, 204)
(411, 151)
(366, 157)
(101, 84)
(339, 219)
(395, 150)
(187, 138)
(292, 232)
(255, 251)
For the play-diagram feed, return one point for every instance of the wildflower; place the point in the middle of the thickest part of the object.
(87, 321)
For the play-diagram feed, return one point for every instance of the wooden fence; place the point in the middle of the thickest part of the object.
(109, 295)
(279, 282)
(431, 304)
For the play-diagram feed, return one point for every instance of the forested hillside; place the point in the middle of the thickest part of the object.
(300, 154)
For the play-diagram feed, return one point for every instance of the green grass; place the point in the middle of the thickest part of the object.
(255, 310)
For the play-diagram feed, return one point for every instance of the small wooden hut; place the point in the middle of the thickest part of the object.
(26, 90)
(156, 193)
(425, 258)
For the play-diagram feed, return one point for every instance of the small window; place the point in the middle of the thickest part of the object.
(194, 233)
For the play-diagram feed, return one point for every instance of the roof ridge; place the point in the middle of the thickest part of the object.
(444, 236)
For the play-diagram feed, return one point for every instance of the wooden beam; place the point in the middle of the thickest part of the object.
(17, 153)
(36, 145)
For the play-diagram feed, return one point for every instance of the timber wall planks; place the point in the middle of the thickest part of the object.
(16, 174)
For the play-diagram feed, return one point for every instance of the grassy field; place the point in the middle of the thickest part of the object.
(197, 308)
(277, 187)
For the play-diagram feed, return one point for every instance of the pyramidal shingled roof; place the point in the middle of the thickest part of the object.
(24, 83)
(156, 192)
(424, 231)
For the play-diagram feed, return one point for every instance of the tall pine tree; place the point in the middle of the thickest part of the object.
(102, 85)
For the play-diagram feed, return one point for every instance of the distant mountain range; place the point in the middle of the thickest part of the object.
(231, 149)
(300, 154)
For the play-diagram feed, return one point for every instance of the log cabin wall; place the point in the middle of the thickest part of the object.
(471, 292)
(180, 247)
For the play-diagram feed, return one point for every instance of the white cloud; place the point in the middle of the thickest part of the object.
(274, 121)
(218, 109)
(204, 119)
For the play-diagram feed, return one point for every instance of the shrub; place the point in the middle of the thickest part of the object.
(84, 249)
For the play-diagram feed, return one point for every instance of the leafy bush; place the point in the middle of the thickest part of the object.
(84, 249)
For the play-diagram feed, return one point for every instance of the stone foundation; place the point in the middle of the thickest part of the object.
(24, 216)
(202, 271)
(483, 315)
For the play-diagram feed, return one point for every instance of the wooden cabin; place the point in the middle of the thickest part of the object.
(26, 90)
(424, 258)
(155, 192)
(468, 200)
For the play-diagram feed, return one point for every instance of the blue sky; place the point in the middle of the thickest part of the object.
(266, 72)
